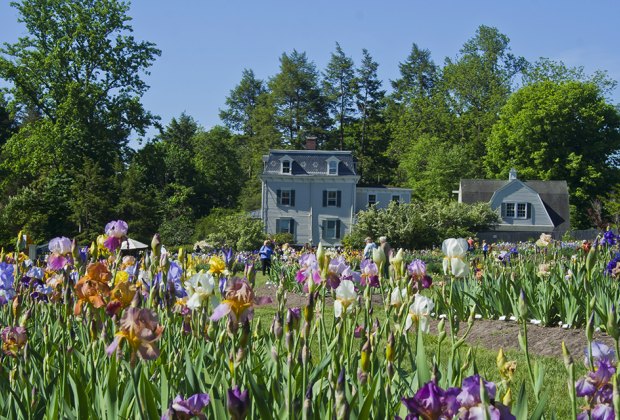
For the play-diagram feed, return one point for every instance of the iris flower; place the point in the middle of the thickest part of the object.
(345, 298)
(116, 230)
(453, 262)
(334, 271)
(59, 247)
(7, 292)
(239, 302)
(419, 311)
(140, 329)
(397, 297)
(13, 340)
(93, 287)
(186, 409)
(238, 403)
(309, 270)
(544, 240)
(200, 289)
(369, 273)
(217, 265)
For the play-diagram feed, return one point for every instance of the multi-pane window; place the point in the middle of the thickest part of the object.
(396, 198)
(372, 199)
(285, 226)
(332, 198)
(516, 210)
(286, 166)
(332, 229)
(332, 167)
(286, 197)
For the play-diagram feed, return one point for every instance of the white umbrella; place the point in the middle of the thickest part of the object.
(133, 244)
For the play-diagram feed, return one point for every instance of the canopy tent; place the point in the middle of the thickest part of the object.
(129, 244)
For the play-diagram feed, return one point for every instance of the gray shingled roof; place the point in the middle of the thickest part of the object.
(554, 195)
(309, 162)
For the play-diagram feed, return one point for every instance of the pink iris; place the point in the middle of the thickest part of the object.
(116, 231)
(59, 247)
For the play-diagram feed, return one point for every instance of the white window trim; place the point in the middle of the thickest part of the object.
(516, 210)
(288, 221)
(281, 203)
(335, 198)
(368, 199)
(290, 167)
(329, 162)
(399, 198)
(335, 222)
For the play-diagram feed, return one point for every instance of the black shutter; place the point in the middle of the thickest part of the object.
(291, 228)
(323, 229)
(503, 210)
(324, 198)
(338, 227)
(292, 198)
(338, 198)
(279, 194)
(528, 211)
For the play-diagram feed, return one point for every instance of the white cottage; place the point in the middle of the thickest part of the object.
(313, 194)
(526, 208)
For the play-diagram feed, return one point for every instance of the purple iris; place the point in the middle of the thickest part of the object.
(185, 409)
(174, 280)
(334, 271)
(309, 269)
(470, 394)
(426, 403)
(116, 231)
(504, 257)
(611, 268)
(59, 248)
(238, 403)
(609, 239)
(595, 385)
(6, 283)
(417, 269)
(228, 257)
(370, 274)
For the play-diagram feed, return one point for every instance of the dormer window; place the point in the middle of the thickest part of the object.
(286, 167)
(332, 166)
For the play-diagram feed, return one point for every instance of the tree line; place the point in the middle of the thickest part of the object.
(73, 102)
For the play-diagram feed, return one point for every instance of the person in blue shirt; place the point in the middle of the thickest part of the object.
(265, 253)
(370, 246)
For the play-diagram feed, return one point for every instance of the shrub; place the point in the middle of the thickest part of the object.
(422, 224)
(228, 228)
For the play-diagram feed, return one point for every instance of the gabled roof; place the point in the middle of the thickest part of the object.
(309, 162)
(554, 195)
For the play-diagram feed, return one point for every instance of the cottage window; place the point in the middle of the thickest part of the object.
(372, 199)
(286, 166)
(396, 198)
(332, 166)
(516, 210)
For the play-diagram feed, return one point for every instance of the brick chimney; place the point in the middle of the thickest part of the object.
(310, 143)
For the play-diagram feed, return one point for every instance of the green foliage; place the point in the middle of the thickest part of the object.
(559, 131)
(224, 227)
(423, 224)
(282, 238)
(299, 106)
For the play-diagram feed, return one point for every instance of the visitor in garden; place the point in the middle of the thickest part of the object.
(370, 246)
(485, 248)
(265, 253)
(470, 244)
(387, 250)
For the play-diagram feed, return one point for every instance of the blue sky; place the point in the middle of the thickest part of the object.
(206, 43)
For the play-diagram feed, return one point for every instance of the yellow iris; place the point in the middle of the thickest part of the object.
(238, 307)
(216, 265)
